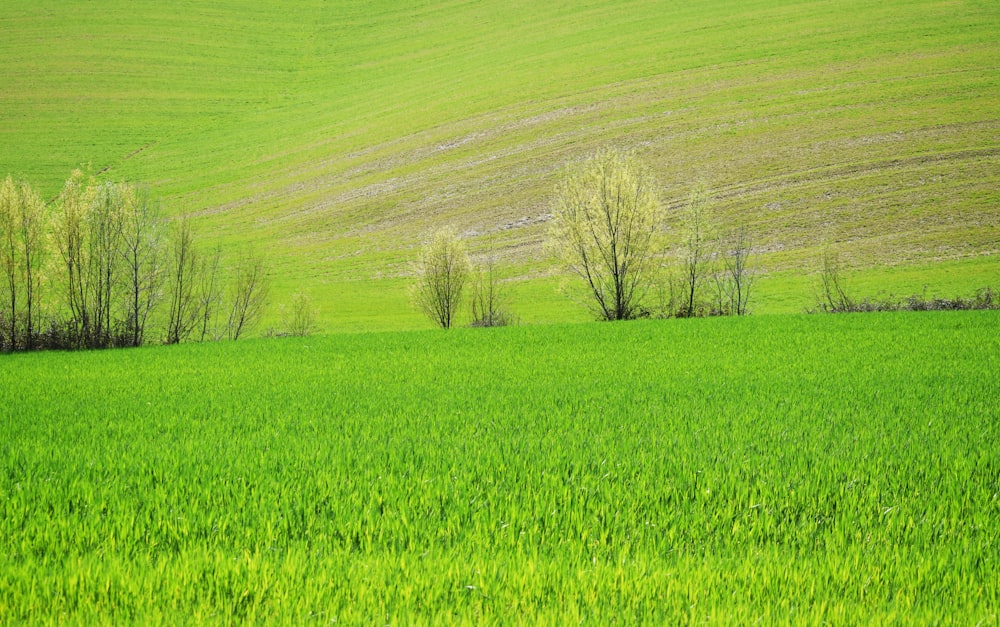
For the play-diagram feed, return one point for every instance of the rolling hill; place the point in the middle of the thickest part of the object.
(339, 135)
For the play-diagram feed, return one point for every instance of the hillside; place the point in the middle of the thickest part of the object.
(340, 135)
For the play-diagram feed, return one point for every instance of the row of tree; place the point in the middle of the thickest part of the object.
(90, 269)
(609, 229)
(93, 268)
(444, 270)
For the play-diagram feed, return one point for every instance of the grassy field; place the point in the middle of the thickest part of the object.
(780, 468)
(339, 136)
(777, 468)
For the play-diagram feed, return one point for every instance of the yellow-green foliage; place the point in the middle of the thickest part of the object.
(442, 273)
(607, 228)
(780, 469)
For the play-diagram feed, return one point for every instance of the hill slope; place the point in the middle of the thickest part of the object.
(340, 135)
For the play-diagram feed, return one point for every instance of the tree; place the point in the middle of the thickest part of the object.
(210, 296)
(695, 261)
(183, 279)
(834, 297)
(606, 228)
(250, 291)
(32, 241)
(488, 297)
(9, 258)
(22, 250)
(302, 317)
(441, 276)
(73, 208)
(10, 261)
(106, 270)
(141, 249)
(735, 278)
(109, 237)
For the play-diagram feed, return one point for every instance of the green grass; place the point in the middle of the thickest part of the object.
(779, 468)
(338, 137)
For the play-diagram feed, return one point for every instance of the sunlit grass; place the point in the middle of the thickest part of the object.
(803, 468)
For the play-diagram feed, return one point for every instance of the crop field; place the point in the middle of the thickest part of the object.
(339, 136)
(777, 468)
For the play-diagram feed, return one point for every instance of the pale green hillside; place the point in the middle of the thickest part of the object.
(340, 135)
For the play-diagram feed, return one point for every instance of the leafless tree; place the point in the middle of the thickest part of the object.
(734, 277)
(670, 292)
(488, 296)
(696, 255)
(606, 228)
(835, 297)
(302, 321)
(250, 291)
(210, 296)
(141, 247)
(183, 279)
(441, 276)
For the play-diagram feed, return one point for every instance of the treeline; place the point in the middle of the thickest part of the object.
(609, 229)
(443, 271)
(100, 267)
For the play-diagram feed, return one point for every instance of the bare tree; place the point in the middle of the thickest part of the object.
(696, 257)
(834, 297)
(141, 248)
(183, 279)
(250, 291)
(488, 296)
(303, 315)
(210, 296)
(441, 277)
(670, 292)
(741, 273)
(735, 278)
(606, 228)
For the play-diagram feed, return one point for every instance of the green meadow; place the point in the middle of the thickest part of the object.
(339, 136)
(776, 468)
(800, 469)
